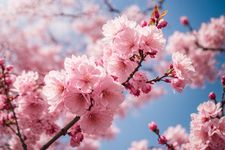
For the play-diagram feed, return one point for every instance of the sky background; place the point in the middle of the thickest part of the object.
(172, 108)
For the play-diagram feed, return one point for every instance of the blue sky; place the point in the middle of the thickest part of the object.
(173, 108)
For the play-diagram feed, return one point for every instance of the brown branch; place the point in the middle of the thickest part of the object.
(142, 58)
(6, 90)
(157, 79)
(68, 15)
(208, 48)
(63, 131)
(223, 101)
(110, 7)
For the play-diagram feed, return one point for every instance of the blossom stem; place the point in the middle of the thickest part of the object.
(6, 91)
(157, 79)
(63, 131)
(142, 58)
(223, 101)
(169, 146)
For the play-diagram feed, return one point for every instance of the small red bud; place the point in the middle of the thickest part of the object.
(223, 80)
(212, 96)
(144, 23)
(153, 126)
(1, 61)
(184, 20)
(9, 68)
(167, 80)
(162, 24)
(162, 140)
(157, 15)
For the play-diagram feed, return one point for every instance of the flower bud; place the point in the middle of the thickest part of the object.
(153, 126)
(212, 96)
(9, 68)
(223, 80)
(144, 23)
(184, 20)
(1, 61)
(162, 24)
(162, 140)
(146, 88)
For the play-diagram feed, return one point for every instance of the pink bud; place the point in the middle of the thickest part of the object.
(156, 13)
(144, 23)
(212, 96)
(9, 68)
(76, 140)
(184, 20)
(162, 140)
(167, 80)
(1, 61)
(153, 126)
(162, 24)
(135, 92)
(146, 88)
(8, 80)
(223, 80)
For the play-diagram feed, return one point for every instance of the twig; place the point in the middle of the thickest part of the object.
(6, 90)
(142, 58)
(63, 131)
(157, 79)
(110, 7)
(223, 101)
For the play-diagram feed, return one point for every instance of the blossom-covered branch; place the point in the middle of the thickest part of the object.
(62, 132)
(5, 88)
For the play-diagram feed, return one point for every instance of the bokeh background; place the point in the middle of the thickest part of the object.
(173, 108)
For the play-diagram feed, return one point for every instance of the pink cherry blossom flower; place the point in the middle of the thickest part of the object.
(178, 84)
(106, 96)
(212, 35)
(182, 66)
(26, 82)
(209, 109)
(83, 74)
(176, 136)
(113, 27)
(120, 67)
(126, 42)
(96, 121)
(76, 102)
(54, 89)
(151, 39)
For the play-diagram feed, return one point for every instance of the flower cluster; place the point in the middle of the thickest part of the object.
(212, 35)
(207, 127)
(84, 89)
(202, 61)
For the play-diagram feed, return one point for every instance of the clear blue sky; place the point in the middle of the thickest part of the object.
(173, 108)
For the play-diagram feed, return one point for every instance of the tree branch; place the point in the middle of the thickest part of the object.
(6, 90)
(223, 101)
(157, 79)
(110, 7)
(142, 58)
(63, 131)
